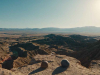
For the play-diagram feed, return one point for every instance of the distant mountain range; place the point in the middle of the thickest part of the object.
(87, 29)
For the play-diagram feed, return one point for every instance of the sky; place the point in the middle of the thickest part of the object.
(49, 13)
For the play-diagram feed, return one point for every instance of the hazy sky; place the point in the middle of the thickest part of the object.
(49, 13)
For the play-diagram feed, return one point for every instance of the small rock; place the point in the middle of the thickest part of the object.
(65, 63)
(44, 64)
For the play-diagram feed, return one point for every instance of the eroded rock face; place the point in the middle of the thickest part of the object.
(44, 64)
(65, 63)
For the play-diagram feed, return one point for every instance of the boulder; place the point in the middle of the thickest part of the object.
(65, 63)
(8, 64)
(44, 64)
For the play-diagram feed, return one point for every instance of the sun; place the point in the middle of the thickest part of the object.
(97, 5)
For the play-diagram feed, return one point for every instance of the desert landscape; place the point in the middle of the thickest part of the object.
(29, 51)
(49, 37)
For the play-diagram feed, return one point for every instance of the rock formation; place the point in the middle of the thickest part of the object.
(44, 64)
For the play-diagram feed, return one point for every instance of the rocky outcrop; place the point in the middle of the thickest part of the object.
(74, 42)
(24, 53)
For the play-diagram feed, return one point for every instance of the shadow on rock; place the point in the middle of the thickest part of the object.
(58, 70)
(37, 70)
(27, 46)
(18, 52)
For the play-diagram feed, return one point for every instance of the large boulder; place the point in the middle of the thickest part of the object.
(65, 63)
(44, 64)
(8, 64)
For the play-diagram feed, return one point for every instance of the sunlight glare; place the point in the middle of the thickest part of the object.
(97, 5)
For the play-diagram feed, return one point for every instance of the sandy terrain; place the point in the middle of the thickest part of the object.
(8, 72)
(54, 66)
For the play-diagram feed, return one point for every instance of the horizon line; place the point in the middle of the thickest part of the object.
(50, 27)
